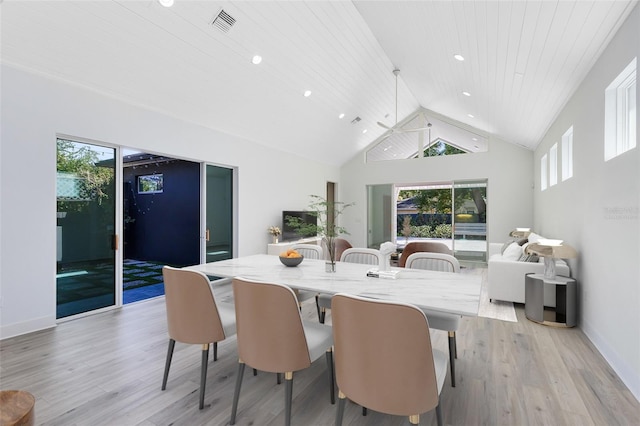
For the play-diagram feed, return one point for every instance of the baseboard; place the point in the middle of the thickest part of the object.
(17, 329)
(625, 371)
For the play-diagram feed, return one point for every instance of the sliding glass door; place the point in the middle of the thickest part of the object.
(85, 231)
(470, 220)
(380, 211)
(219, 213)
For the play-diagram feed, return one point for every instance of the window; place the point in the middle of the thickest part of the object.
(553, 165)
(543, 173)
(620, 113)
(567, 154)
(150, 184)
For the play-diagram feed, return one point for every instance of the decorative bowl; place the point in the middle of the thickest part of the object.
(291, 261)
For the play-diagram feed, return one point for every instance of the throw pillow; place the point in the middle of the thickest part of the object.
(505, 245)
(512, 252)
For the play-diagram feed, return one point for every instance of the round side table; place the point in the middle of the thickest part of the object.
(16, 408)
(564, 314)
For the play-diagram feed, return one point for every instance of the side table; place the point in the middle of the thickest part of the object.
(565, 311)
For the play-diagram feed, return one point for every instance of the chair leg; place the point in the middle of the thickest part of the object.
(236, 392)
(414, 419)
(452, 359)
(215, 351)
(255, 372)
(203, 372)
(332, 393)
(323, 312)
(167, 364)
(318, 306)
(455, 345)
(342, 400)
(288, 396)
(364, 411)
(439, 414)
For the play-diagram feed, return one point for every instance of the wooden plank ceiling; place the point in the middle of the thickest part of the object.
(522, 61)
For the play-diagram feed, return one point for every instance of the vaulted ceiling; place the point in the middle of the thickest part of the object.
(522, 60)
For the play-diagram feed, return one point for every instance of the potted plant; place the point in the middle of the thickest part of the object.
(325, 227)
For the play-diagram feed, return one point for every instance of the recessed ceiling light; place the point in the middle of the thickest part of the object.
(474, 139)
(341, 116)
(470, 115)
(307, 93)
(166, 3)
(466, 93)
(256, 59)
(364, 131)
(459, 57)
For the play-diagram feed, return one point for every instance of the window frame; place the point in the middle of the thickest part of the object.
(620, 113)
(567, 154)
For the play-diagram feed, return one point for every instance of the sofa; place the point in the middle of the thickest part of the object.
(506, 273)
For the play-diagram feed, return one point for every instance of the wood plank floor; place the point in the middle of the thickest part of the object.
(106, 369)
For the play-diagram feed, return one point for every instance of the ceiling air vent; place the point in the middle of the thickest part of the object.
(356, 120)
(223, 21)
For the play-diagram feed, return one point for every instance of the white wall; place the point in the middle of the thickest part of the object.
(597, 212)
(36, 109)
(507, 167)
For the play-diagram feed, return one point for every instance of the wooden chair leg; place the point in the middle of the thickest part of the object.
(439, 414)
(236, 392)
(215, 351)
(414, 419)
(167, 364)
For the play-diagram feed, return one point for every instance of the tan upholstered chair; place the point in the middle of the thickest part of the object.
(384, 359)
(438, 320)
(341, 246)
(194, 317)
(366, 256)
(272, 336)
(418, 246)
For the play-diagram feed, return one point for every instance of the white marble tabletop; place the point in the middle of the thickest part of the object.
(438, 291)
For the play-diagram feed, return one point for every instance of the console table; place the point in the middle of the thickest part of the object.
(565, 310)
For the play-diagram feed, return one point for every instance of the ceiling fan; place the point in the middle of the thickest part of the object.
(395, 128)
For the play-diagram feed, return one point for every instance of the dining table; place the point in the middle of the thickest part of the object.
(447, 292)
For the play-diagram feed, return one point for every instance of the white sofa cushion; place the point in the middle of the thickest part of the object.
(512, 252)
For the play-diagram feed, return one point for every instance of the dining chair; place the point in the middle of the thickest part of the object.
(422, 246)
(341, 245)
(384, 359)
(366, 256)
(273, 337)
(194, 317)
(438, 320)
(309, 251)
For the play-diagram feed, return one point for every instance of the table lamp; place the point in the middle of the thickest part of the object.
(520, 232)
(551, 250)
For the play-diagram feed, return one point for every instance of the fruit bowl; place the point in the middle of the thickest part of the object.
(291, 261)
(290, 258)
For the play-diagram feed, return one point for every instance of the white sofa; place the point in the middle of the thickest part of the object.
(506, 277)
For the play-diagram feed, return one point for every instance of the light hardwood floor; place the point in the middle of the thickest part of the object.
(106, 369)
